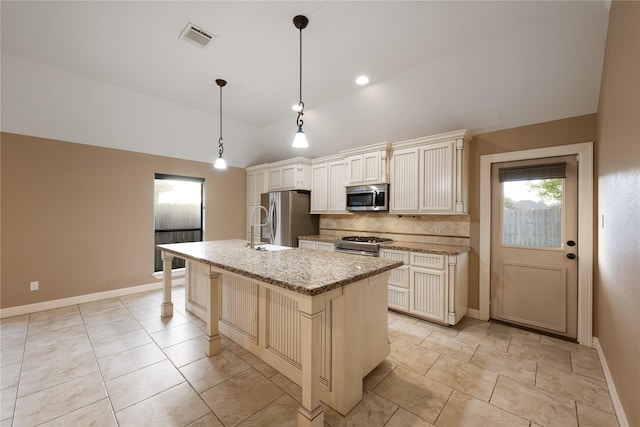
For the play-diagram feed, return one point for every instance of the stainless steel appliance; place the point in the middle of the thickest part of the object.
(288, 217)
(360, 245)
(368, 197)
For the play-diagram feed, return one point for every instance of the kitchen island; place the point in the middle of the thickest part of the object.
(318, 318)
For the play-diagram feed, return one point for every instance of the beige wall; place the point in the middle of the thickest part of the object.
(558, 132)
(79, 219)
(617, 278)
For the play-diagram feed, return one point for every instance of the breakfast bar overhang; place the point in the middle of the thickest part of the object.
(320, 318)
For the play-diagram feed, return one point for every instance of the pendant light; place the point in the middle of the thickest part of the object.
(220, 163)
(300, 140)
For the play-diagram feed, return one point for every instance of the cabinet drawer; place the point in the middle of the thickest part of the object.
(324, 246)
(400, 277)
(395, 255)
(307, 244)
(398, 298)
(419, 259)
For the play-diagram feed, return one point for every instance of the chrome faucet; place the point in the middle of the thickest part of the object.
(251, 242)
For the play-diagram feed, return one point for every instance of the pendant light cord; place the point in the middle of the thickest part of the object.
(299, 121)
(220, 146)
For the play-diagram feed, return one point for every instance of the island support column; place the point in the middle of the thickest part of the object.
(212, 339)
(311, 414)
(166, 309)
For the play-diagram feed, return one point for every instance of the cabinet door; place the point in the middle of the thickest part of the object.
(262, 184)
(405, 179)
(251, 188)
(336, 191)
(275, 179)
(354, 169)
(319, 189)
(288, 176)
(429, 297)
(364, 168)
(437, 173)
(256, 185)
(371, 167)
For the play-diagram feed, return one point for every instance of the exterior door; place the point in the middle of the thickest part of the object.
(534, 229)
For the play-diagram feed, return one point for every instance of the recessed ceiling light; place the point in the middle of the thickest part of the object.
(362, 80)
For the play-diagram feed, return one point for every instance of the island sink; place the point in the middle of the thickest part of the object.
(268, 247)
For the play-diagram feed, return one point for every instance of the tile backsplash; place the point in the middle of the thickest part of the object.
(442, 229)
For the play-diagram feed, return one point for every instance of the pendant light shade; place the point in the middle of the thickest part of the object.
(300, 139)
(220, 163)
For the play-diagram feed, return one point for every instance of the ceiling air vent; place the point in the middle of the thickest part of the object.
(196, 35)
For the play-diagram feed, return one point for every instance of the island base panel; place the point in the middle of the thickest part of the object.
(268, 321)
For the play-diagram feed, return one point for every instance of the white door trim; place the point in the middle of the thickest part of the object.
(584, 151)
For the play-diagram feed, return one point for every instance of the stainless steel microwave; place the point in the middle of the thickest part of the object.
(368, 197)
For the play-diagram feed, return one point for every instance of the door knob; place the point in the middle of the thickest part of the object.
(571, 256)
(571, 243)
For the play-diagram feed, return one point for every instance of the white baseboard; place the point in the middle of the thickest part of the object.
(473, 313)
(615, 399)
(81, 299)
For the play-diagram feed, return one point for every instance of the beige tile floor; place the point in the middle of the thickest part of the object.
(116, 362)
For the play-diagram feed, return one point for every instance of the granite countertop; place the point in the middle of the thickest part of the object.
(305, 271)
(430, 248)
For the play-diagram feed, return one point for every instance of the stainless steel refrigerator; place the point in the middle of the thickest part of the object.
(288, 217)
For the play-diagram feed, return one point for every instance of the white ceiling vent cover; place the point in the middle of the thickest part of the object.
(197, 35)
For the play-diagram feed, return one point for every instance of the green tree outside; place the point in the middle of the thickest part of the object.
(549, 190)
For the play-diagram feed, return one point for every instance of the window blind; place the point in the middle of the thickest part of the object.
(527, 173)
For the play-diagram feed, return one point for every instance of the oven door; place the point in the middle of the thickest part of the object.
(355, 252)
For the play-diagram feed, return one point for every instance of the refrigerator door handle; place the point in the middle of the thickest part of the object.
(273, 220)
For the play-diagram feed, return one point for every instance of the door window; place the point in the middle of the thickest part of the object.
(532, 205)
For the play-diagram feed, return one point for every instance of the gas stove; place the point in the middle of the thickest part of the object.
(360, 245)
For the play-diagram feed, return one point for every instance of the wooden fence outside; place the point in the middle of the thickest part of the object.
(532, 227)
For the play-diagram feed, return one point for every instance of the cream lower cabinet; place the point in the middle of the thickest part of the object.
(312, 244)
(429, 286)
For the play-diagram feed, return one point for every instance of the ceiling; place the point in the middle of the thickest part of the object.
(434, 66)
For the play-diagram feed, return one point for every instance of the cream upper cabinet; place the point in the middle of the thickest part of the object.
(291, 174)
(327, 185)
(430, 175)
(437, 176)
(319, 188)
(257, 183)
(367, 165)
(403, 196)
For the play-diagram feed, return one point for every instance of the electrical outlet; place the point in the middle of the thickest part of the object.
(34, 286)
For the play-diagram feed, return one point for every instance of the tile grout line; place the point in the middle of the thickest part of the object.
(95, 356)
